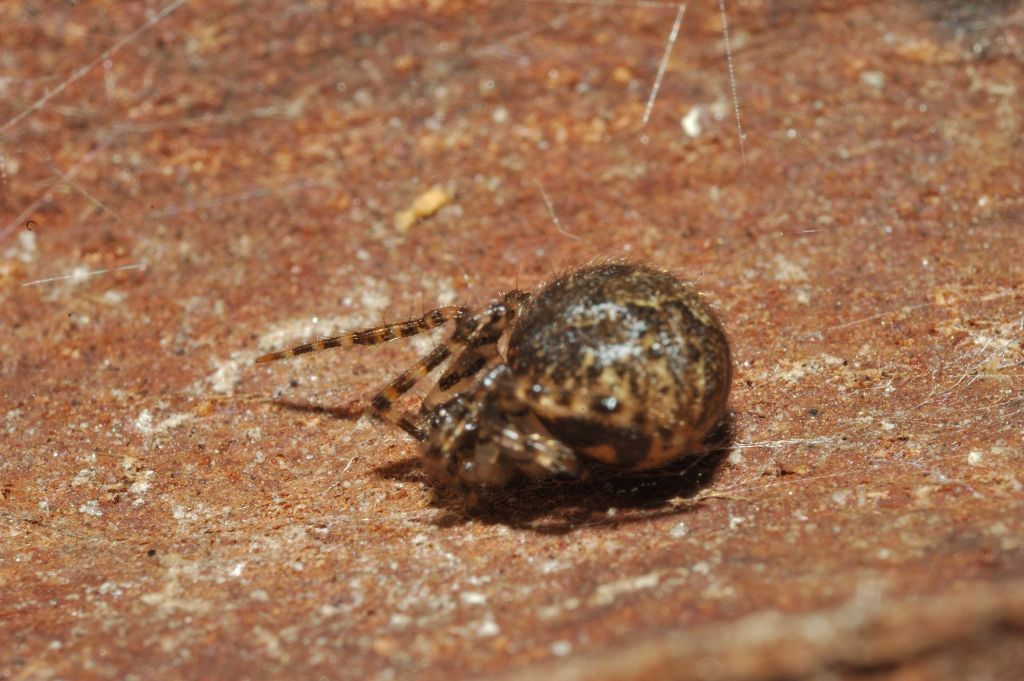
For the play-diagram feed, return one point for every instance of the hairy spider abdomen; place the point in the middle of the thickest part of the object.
(622, 362)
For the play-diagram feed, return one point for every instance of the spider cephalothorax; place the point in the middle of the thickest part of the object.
(616, 362)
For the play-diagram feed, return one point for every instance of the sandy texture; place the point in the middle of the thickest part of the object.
(185, 186)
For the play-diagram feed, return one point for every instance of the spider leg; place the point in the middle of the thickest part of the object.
(383, 403)
(477, 334)
(479, 352)
(374, 335)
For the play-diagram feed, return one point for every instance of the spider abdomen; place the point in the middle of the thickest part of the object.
(622, 362)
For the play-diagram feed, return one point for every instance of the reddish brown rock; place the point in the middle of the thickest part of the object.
(182, 191)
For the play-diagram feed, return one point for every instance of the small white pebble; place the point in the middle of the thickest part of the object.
(91, 507)
(974, 457)
(473, 598)
(678, 531)
(875, 79)
(488, 628)
(561, 648)
(691, 122)
(400, 620)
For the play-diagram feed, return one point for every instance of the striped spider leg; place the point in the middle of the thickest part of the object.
(381, 403)
(476, 429)
(475, 337)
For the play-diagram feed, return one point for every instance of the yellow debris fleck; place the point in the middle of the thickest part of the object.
(423, 206)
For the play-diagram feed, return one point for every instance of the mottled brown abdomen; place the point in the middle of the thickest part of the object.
(622, 362)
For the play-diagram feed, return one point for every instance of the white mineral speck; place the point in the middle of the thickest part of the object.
(678, 531)
(227, 375)
(144, 422)
(400, 620)
(842, 496)
(373, 296)
(550, 566)
(561, 648)
(691, 122)
(83, 476)
(875, 79)
(473, 598)
(974, 457)
(91, 507)
(26, 249)
(488, 627)
(141, 485)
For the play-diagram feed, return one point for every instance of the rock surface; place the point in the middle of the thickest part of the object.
(186, 186)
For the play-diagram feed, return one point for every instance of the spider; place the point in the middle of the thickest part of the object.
(617, 363)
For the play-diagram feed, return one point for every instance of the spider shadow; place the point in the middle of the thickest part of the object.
(605, 497)
(348, 412)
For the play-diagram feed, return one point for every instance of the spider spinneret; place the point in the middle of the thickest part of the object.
(618, 363)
